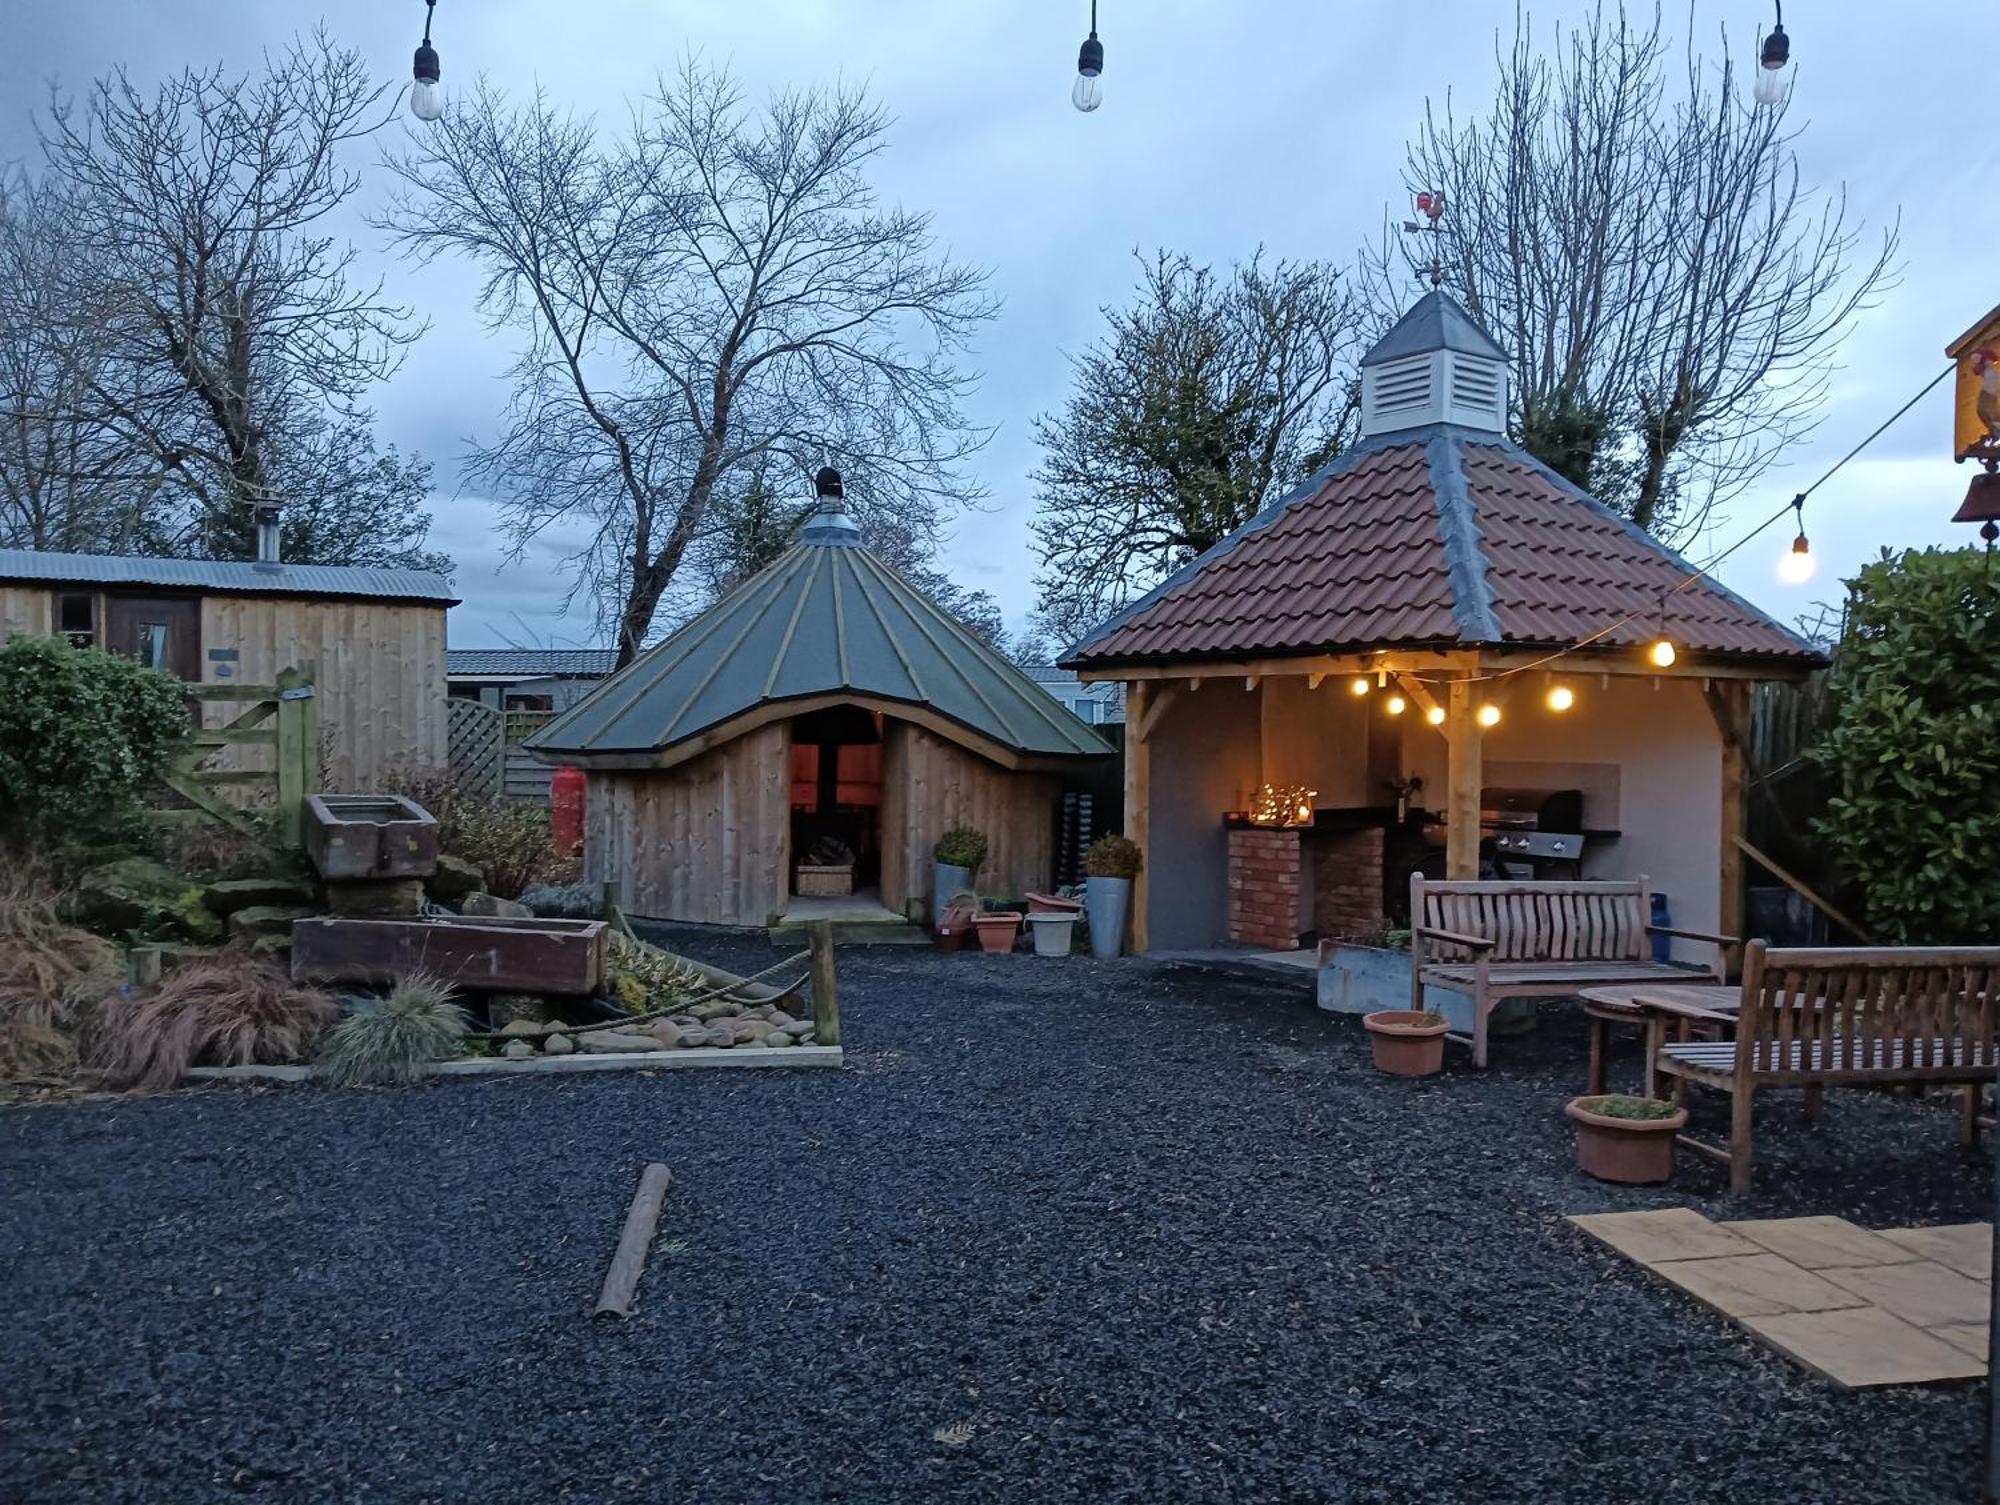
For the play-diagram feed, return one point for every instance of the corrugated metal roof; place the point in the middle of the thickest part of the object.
(1436, 321)
(1443, 537)
(827, 617)
(244, 576)
(531, 662)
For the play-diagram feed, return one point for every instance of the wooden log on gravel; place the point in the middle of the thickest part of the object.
(825, 989)
(628, 1263)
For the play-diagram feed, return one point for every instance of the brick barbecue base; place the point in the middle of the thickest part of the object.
(1264, 884)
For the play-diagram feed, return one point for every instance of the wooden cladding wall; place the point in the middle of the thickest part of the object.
(379, 672)
(24, 610)
(708, 841)
(930, 785)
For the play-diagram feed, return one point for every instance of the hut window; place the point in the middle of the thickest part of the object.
(77, 617)
(152, 643)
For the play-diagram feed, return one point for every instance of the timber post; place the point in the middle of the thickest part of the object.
(298, 750)
(1139, 719)
(1464, 773)
(825, 986)
(142, 966)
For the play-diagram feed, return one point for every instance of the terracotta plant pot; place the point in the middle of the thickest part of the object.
(1053, 904)
(1407, 1044)
(1630, 1151)
(951, 934)
(998, 932)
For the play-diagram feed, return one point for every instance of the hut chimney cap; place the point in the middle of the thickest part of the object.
(828, 486)
(267, 513)
(830, 522)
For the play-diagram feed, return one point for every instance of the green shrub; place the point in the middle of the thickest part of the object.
(962, 846)
(396, 1041)
(83, 735)
(1621, 1105)
(1112, 857)
(1913, 747)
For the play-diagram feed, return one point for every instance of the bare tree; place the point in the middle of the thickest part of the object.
(715, 294)
(1206, 398)
(1670, 294)
(233, 335)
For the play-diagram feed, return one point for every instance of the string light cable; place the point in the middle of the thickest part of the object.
(1794, 507)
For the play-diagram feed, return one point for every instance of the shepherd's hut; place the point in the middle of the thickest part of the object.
(825, 708)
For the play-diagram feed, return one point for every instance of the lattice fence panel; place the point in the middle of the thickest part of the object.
(478, 746)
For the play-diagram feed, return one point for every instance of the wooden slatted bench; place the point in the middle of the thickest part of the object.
(1495, 940)
(1877, 1015)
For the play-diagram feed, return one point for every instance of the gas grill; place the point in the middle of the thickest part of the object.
(1532, 833)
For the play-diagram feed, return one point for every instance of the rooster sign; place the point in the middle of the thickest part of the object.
(1976, 429)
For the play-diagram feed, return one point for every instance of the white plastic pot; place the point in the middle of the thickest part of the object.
(1053, 932)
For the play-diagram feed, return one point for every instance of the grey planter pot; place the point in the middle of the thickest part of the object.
(946, 880)
(1107, 901)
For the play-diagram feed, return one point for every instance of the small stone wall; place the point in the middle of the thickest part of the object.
(1347, 882)
(1264, 889)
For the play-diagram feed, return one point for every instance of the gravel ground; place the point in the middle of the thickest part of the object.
(1062, 1230)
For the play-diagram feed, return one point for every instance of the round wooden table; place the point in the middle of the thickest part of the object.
(1656, 1008)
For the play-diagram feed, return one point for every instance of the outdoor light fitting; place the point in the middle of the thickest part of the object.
(1773, 83)
(426, 99)
(1088, 93)
(1796, 565)
(1561, 698)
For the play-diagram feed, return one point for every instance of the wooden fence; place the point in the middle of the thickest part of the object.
(486, 753)
(283, 716)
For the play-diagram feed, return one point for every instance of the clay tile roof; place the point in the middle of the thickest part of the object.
(1435, 537)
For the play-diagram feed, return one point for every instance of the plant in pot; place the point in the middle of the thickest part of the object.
(956, 857)
(955, 921)
(1109, 868)
(999, 926)
(1407, 1043)
(1626, 1139)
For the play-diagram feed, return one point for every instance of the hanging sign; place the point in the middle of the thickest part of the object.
(1976, 410)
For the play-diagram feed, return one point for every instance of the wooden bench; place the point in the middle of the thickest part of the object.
(1872, 1016)
(1529, 939)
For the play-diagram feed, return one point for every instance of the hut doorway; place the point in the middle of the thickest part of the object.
(836, 777)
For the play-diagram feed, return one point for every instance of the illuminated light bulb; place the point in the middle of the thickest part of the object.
(1359, 685)
(1489, 715)
(1435, 715)
(1397, 705)
(1561, 698)
(1795, 567)
(1662, 653)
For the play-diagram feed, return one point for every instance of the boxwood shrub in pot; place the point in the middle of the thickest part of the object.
(958, 855)
(1109, 868)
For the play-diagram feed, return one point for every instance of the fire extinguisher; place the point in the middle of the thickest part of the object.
(566, 809)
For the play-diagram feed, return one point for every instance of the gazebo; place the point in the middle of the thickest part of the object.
(1433, 637)
(823, 705)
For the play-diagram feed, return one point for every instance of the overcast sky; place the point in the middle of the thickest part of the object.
(1224, 125)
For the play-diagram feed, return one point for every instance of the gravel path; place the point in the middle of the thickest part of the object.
(1061, 1231)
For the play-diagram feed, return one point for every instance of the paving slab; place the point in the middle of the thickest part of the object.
(1822, 1243)
(1861, 1347)
(1965, 1247)
(1922, 1292)
(1670, 1233)
(1971, 1337)
(1754, 1285)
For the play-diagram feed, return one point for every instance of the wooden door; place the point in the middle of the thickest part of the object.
(160, 632)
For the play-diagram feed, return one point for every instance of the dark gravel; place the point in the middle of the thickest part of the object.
(1061, 1231)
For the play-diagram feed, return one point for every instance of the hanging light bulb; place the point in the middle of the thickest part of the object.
(1435, 715)
(1359, 686)
(426, 98)
(1088, 92)
(1489, 714)
(1662, 653)
(1795, 567)
(1561, 698)
(1773, 79)
(1397, 705)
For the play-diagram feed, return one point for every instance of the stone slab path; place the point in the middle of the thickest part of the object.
(1906, 1306)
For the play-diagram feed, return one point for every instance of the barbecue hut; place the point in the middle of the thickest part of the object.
(825, 713)
(1435, 655)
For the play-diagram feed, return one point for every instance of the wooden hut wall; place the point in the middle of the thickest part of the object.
(24, 609)
(707, 841)
(931, 785)
(380, 679)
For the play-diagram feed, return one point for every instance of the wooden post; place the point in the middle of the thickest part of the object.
(142, 966)
(628, 1263)
(1729, 702)
(1463, 777)
(1138, 796)
(298, 750)
(826, 987)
